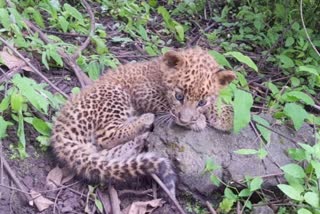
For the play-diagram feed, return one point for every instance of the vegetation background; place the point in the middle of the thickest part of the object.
(271, 45)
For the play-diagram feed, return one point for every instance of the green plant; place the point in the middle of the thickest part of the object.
(19, 101)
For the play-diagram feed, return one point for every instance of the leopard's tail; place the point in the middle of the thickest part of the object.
(96, 167)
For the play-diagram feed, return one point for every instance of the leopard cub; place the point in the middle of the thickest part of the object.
(100, 132)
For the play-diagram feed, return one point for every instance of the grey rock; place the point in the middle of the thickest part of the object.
(190, 150)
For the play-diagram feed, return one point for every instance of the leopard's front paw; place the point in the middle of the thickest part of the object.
(200, 124)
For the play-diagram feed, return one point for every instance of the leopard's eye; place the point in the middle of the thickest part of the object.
(179, 96)
(202, 102)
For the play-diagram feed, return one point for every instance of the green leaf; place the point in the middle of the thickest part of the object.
(265, 133)
(43, 140)
(246, 151)
(226, 205)
(100, 45)
(228, 193)
(52, 53)
(286, 62)
(41, 126)
(73, 12)
(289, 41)
(310, 69)
(64, 24)
(295, 82)
(300, 96)
(3, 127)
(38, 18)
(93, 69)
(296, 113)
(294, 170)
(5, 18)
(5, 103)
(304, 211)
(255, 184)
(180, 32)
(242, 104)
(143, 33)
(211, 166)
(221, 59)
(297, 154)
(16, 102)
(214, 180)
(150, 51)
(262, 153)
(244, 193)
(21, 135)
(312, 198)
(290, 192)
(274, 89)
(316, 166)
(98, 204)
(243, 59)
(33, 91)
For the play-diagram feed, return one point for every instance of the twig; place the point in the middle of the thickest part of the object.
(305, 29)
(12, 175)
(32, 67)
(64, 34)
(114, 199)
(135, 192)
(7, 75)
(55, 202)
(154, 190)
(238, 207)
(91, 32)
(210, 208)
(279, 133)
(173, 199)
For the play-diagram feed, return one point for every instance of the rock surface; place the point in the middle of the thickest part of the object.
(190, 150)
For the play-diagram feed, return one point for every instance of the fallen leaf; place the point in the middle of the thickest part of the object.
(142, 207)
(54, 177)
(40, 201)
(58, 176)
(11, 61)
(67, 175)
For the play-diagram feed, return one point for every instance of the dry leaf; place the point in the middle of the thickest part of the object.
(41, 202)
(58, 176)
(142, 207)
(54, 177)
(67, 175)
(11, 61)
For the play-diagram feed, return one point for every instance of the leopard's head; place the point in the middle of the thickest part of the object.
(192, 79)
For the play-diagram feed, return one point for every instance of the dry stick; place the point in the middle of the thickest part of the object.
(82, 77)
(305, 29)
(135, 192)
(173, 199)
(210, 208)
(55, 201)
(279, 133)
(91, 32)
(15, 179)
(32, 67)
(114, 199)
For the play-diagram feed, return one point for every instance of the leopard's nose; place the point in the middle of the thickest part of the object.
(185, 119)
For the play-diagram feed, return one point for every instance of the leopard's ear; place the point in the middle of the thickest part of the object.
(224, 77)
(173, 59)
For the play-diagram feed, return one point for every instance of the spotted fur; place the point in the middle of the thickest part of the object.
(100, 132)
